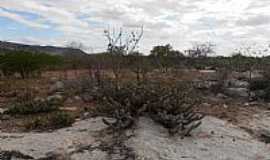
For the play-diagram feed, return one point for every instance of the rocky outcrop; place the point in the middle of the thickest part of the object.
(235, 83)
(237, 88)
(89, 139)
(237, 92)
(247, 75)
(56, 91)
(204, 84)
(214, 140)
(260, 126)
(44, 145)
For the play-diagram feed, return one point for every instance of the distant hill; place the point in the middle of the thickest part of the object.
(52, 50)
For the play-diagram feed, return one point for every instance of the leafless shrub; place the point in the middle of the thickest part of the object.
(120, 45)
(201, 49)
(222, 76)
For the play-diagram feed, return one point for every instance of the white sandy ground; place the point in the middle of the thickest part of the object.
(226, 142)
(260, 122)
(214, 140)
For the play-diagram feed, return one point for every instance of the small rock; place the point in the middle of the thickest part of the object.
(251, 104)
(36, 89)
(234, 83)
(59, 84)
(206, 104)
(129, 133)
(53, 80)
(204, 84)
(225, 106)
(86, 114)
(253, 96)
(57, 87)
(264, 136)
(69, 109)
(252, 75)
(55, 98)
(221, 96)
(237, 92)
(77, 98)
(87, 98)
(2, 110)
(5, 117)
(39, 99)
(69, 100)
(254, 103)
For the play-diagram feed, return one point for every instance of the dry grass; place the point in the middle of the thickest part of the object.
(11, 88)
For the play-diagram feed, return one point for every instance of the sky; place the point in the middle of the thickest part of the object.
(229, 24)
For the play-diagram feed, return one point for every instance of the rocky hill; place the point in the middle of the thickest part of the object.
(42, 49)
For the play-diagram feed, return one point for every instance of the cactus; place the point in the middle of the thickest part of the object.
(174, 110)
(124, 120)
(170, 106)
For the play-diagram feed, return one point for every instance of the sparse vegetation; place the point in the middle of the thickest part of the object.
(134, 80)
(53, 121)
(26, 104)
(26, 64)
(171, 106)
(174, 110)
(31, 108)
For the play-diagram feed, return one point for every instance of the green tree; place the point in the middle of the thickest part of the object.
(164, 56)
(26, 63)
(161, 51)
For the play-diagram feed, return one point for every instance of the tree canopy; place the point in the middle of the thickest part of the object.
(26, 63)
(165, 51)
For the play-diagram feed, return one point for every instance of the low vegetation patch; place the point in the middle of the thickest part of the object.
(26, 64)
(51, 121)
(31, 108)
(170, 106)
(259, 84)
(262, 88)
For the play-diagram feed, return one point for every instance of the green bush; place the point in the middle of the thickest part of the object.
(62, 119)
(53, 121)
(259, 84)
(26, 63)
(31, 107)
(266, 97)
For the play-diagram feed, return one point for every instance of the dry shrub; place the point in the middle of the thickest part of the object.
(51, 121)
(222, 76)
(26, 104)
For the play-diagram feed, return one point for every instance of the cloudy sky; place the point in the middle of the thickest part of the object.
(228, 23)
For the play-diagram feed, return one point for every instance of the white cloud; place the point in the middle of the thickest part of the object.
(21, 19)
(226, 22)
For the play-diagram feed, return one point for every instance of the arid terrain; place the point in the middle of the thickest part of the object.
(134, 80)
(234, 127)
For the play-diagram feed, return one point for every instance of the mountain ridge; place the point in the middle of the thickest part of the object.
(52, 50)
